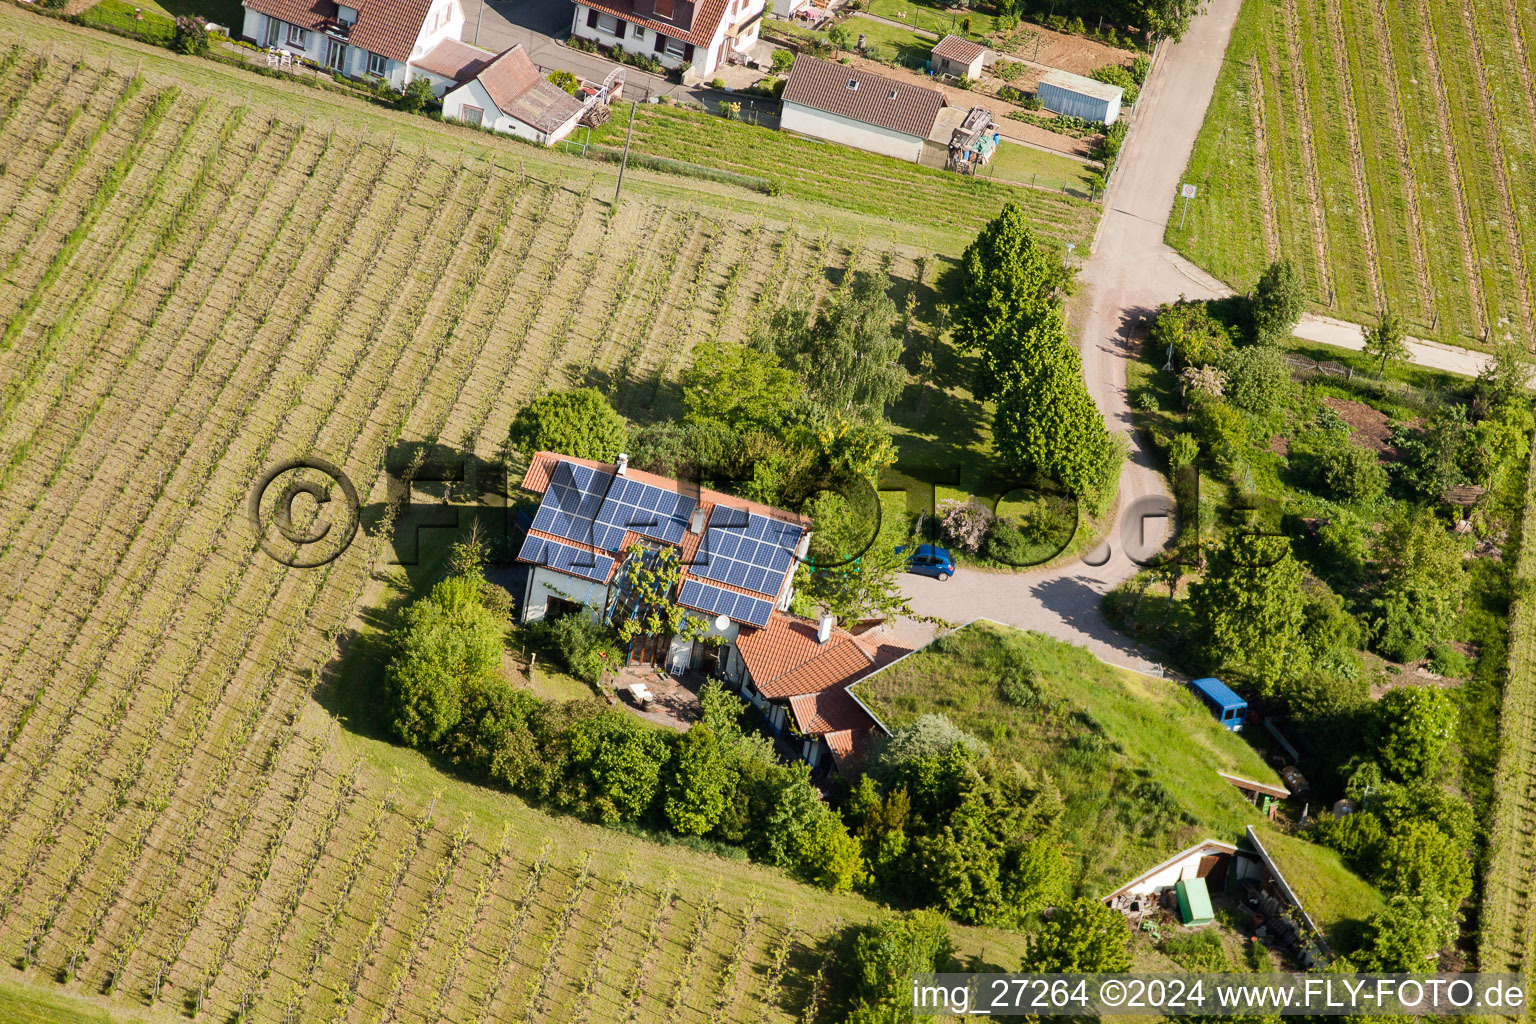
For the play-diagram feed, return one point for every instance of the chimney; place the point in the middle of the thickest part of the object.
(696, 521)
(824, 628)
(623, 464)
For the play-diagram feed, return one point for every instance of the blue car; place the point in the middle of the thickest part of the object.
(930, 560)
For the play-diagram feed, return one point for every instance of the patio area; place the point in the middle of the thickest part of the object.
(658, 697)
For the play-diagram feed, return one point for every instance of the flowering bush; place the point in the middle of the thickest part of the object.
(965, 523)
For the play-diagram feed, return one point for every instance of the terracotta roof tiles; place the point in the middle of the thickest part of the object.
(706, 19)
(389, 28)
(958, 49)
(519, 91)
(453, 59)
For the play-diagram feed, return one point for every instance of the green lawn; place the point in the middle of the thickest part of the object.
(902, 44)
(1098, 731)
(24, 1005)
(1110, 739)
(933, 18)
(148, 21)
(840, 176)
(1029, 166)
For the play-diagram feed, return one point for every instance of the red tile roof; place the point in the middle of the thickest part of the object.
(519, 91)
(828, 711)
(785, 660)
(863, 96)
(706, 19)
(958, 49)
(453, 59)
(849, 746)
(389, 28)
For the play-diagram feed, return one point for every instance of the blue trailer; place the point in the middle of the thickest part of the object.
(1230, 709)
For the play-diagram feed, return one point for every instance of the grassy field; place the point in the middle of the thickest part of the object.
(1507, 938)
(838, 176)
(1103, 735)
(200, 280)
(1388, 149)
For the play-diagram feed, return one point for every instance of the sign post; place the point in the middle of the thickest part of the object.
(1188, 192)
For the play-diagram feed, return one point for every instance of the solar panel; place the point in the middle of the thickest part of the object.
(733, 553)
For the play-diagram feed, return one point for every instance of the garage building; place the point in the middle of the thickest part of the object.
(1062, 92)
(856, 108)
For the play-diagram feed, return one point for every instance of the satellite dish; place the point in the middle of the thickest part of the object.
(722, 622)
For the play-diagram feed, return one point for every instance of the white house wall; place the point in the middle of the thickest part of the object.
(473, 94)
(1171, 874)
(546, 583)
(845, 130)
(354, 61)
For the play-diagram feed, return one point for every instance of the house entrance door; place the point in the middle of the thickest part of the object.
(649, 650)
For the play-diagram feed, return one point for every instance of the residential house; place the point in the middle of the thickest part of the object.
(703, 34)
(738, 557)
(381, 39)
(508, 94)
(959, 57)
(859, 108)
(797, 673)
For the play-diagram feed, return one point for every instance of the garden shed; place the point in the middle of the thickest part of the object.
(960, 57)
(1062, 92)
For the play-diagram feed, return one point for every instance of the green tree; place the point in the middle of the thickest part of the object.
(579, 423)
(1422, 586)
(565, 80)
(1187, 327)
(1278, 301)
(783, 60)
(416, 96)
(867, 588)
(622, 761)
(1162, 17)
(1388, 340)
(1249, 609)
(1050, 427)
(847, 355)
(1420, 861)
(701, 780)
(1417, 724)
(1011, 283)
(1258, 379)
(887, 952)
(1403, 938)
(445, 642)
(1082, 937)
(741, 387)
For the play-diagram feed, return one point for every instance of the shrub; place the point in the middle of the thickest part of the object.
(578, 423)
(191, 37)
(1085, 936)
(416, 97)
(965, 523)
(1186, 326)
(565, 80)
(783, 60)
(717, 83)
(586, 649)
(1417, 723)
(1183, 450)
(446, 642)
(1114, 74)
(887, 952)
(1446, 660)
(1258, 379)
(1225, 435)
(1007, 70)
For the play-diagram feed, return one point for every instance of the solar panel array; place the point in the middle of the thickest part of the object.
(717, 601)
(597, 508)
(575, 561)
(746, 550)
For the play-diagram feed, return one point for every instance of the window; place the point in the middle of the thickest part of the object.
(473, 115)
(676, 47)
(297, 37)
(639, 31)
(608, 23)
(853, 84)
(664, 9)
(335, 54)
(376, 64)
(274, 31)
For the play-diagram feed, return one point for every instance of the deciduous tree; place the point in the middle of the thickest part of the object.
(1278, 301)
(1249, 609)
(1387, 340)
(1082, 937)
(579, 423)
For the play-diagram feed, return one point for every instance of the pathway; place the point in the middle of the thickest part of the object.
(1130, 274)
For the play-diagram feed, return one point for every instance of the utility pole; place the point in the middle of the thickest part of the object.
(624, 161)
